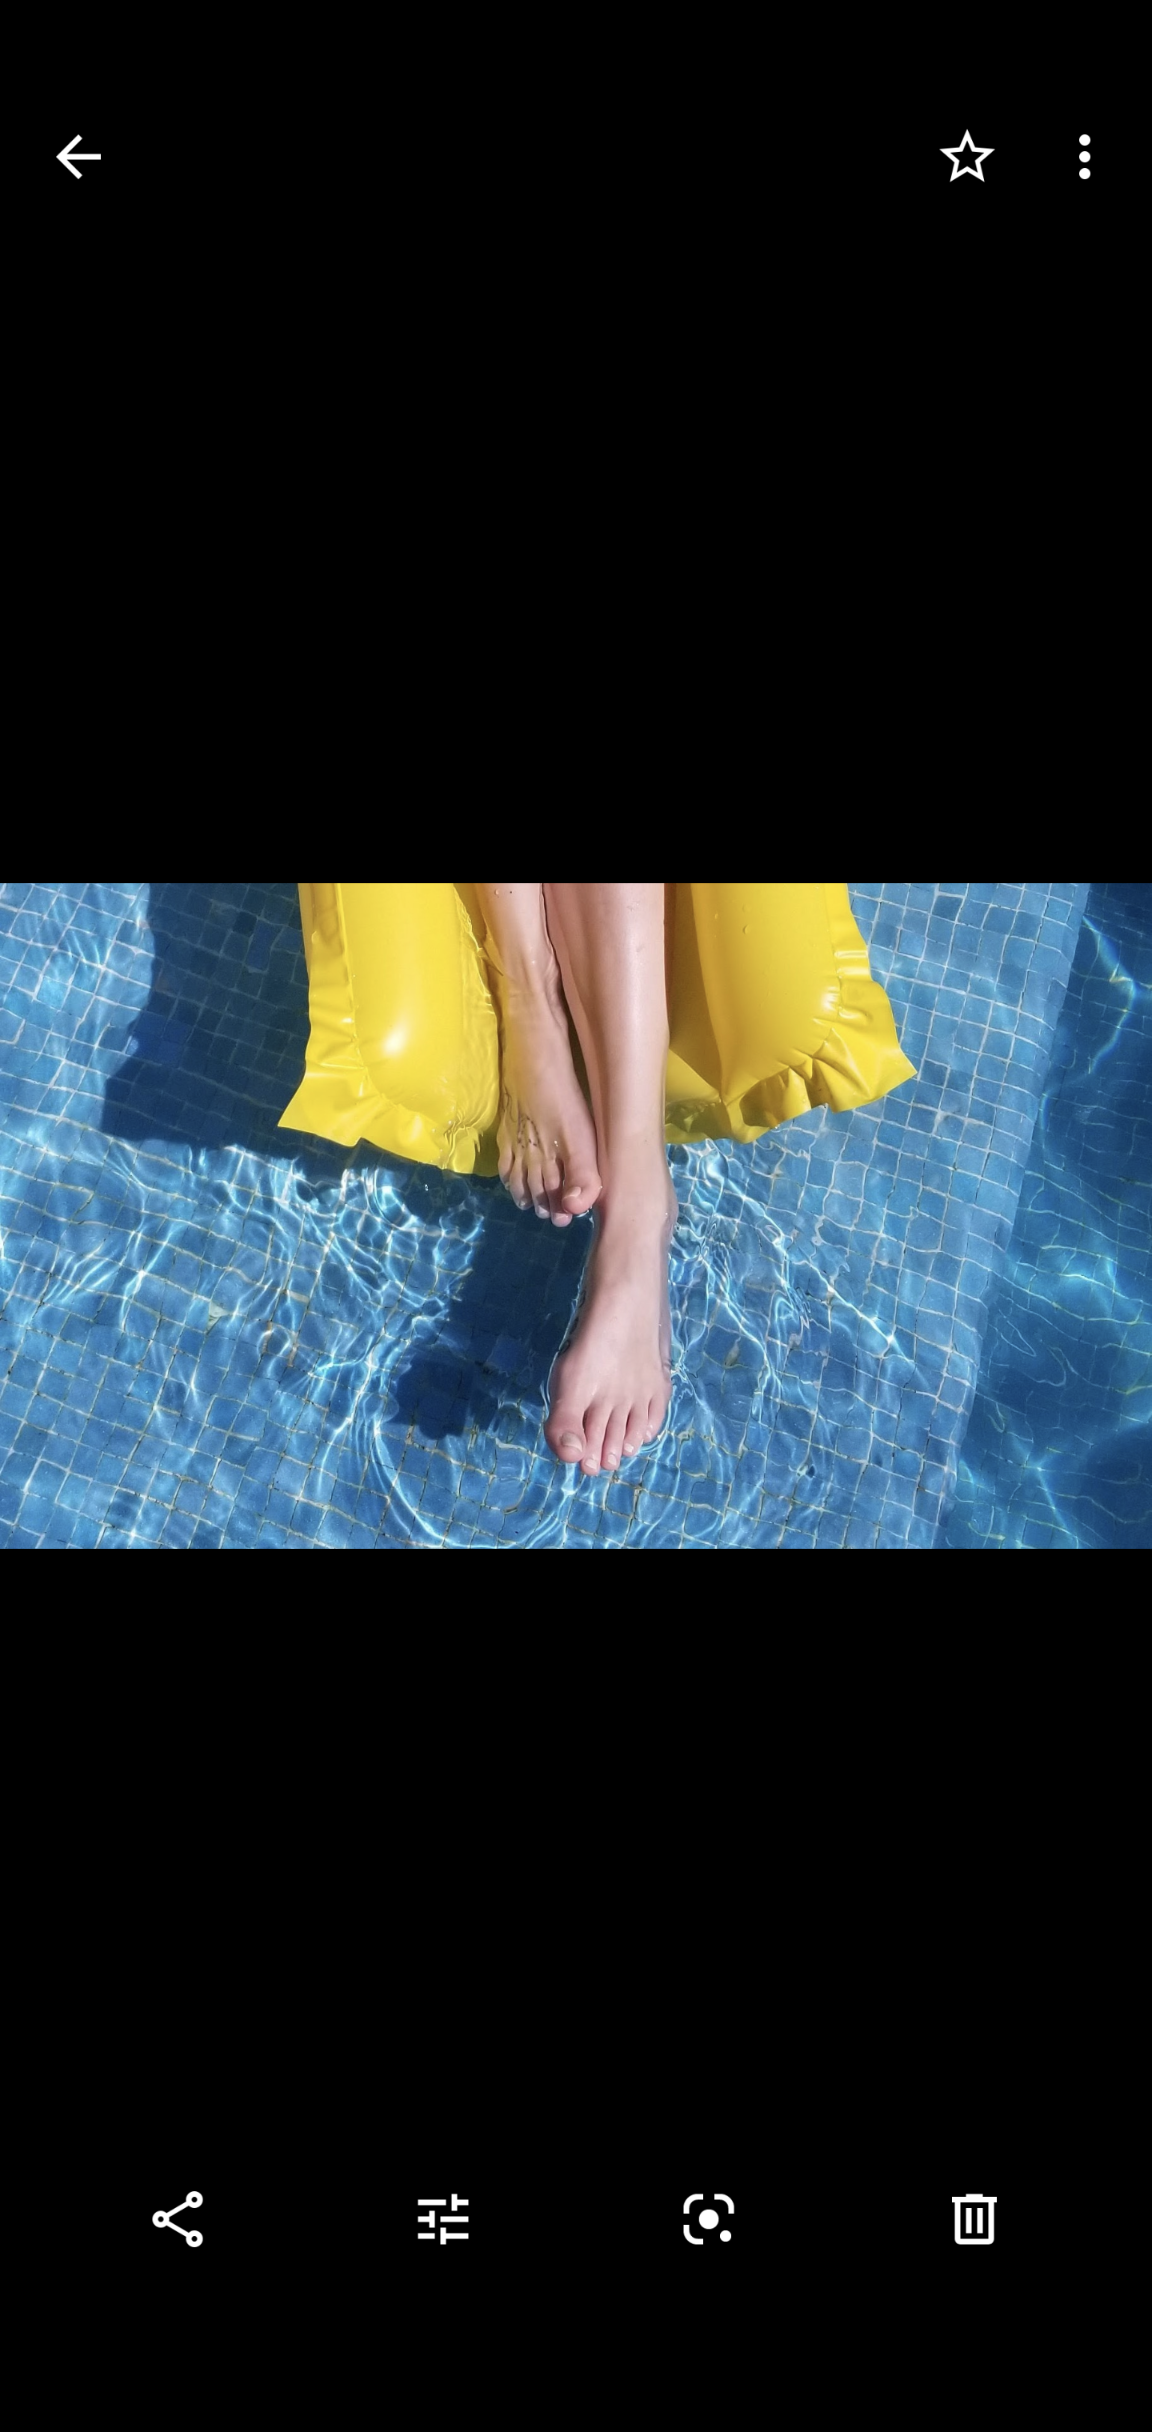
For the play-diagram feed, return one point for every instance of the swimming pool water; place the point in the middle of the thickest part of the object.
(219, 1335)
(1057, 1449)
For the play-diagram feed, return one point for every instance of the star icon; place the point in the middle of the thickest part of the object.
(967, 168)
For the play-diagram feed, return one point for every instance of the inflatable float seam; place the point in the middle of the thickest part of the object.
(367, 1098)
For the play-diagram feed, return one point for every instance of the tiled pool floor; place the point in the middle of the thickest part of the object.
(215, 1334)
(1057, 1453)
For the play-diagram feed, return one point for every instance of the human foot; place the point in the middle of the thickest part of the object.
(546, 1136)
(611, 1389)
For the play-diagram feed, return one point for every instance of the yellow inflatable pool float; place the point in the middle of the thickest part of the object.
(772, 1009)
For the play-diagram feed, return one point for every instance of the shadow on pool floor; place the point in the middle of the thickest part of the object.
(214, 1056)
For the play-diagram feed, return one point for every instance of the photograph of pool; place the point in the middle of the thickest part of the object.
(922, 1325)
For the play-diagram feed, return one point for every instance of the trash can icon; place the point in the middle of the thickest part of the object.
(974, 2222)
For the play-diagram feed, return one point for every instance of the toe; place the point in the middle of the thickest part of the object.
(614, 1440)
(635, 1430)
(553, 1180)
(582, 1187)
(565, 1435)
(595, 1422)
(536, 1191)
(511, 1172)
(657, 1413)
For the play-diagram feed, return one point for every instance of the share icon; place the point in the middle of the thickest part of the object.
(166, 2220)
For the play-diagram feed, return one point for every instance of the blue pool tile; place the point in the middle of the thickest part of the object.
(23, 1458)
(260, 1464)
(291, 1476)
(467, 1514)
(334, 1530)
(206, 1537)
(360, 1538)
(179, 1530)
(438, 1496)
(395, 1525)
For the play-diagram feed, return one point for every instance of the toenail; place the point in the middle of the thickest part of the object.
(629, 1448)
(570, 1439)
(592, 1469)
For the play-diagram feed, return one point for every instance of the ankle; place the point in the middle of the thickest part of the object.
(516, 942)
(526, 975)
(636, 1179)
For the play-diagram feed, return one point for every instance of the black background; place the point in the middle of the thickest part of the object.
(584, 2222)
(731, 1967)
(250, 214)
(233, 157)
(586, 2047)
(196, 2011)
(576, 2251)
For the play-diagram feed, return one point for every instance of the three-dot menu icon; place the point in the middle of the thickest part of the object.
(1085, 155)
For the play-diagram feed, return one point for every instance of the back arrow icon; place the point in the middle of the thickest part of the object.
(70, 149)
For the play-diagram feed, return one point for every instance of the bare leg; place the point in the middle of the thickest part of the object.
(610, 1390)
(546, 1135)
